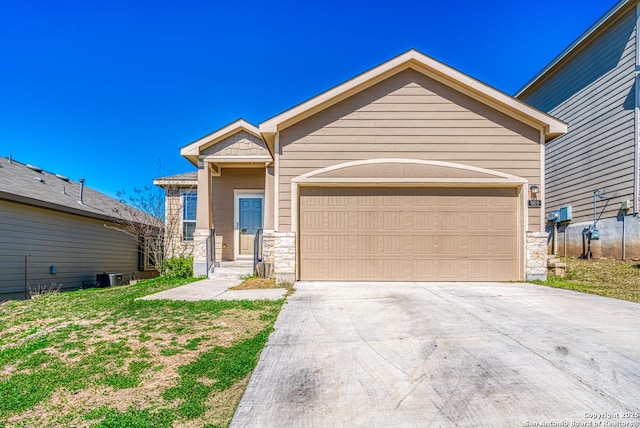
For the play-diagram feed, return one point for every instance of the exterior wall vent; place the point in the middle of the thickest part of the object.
(62, 177)
(33, 167)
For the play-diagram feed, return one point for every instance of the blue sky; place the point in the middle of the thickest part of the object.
(110, 91)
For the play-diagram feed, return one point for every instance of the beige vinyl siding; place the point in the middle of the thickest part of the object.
(593, 92)
(223, 201)
(78, 246)
(408, 116)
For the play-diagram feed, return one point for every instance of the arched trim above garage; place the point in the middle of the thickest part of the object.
(405, 171)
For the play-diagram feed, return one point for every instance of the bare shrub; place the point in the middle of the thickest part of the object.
(43, 289)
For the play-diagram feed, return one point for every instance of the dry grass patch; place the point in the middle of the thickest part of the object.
(72, 360)
(256, 283)
(610, 278)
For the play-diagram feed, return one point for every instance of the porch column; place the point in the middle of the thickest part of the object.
(204, 220)
(269, 194)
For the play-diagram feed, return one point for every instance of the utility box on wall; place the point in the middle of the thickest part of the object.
(564, 214)
(561, 215)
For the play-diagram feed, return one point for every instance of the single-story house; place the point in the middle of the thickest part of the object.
(57, 230)
(593, 86)
(409, 171)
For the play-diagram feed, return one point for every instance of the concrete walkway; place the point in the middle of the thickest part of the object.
(446, 354)
(216, 289)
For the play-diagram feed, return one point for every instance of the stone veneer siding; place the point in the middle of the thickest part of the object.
(279, 249)
(200, 253)
(536, 262)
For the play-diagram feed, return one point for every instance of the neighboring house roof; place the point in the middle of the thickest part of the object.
(192, 150)
(586, 38)
(32, 185)
(181, 180)
(436, 70)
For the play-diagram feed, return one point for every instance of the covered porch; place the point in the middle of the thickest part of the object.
(234, 194)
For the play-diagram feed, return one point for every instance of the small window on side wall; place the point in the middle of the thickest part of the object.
(189, 202)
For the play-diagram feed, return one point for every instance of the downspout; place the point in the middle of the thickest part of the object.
(636, 119)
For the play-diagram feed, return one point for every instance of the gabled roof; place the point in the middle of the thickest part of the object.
(192, 150)
(428, 66)
(591, 34)
(32, 185)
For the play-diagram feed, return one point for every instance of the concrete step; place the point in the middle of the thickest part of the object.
(237, 263)
(232, 269)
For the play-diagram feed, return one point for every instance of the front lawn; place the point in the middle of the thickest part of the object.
(101, 358)
(610, 278)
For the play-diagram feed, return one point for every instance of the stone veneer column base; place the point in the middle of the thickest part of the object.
(200, 253)
(536, 262)
(279, 249)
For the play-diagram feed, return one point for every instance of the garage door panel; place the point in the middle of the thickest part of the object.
(448, 220)
(423, 245)
(501, 245)
(477, 245)
(338, 220)
(394, 245)
(313, 244)
(423, 220)
(502, 221)
(367, 220)
(338, 244)
(451, 245)
(426, 234)
(367, 244)
(479, 269)
(393, 220)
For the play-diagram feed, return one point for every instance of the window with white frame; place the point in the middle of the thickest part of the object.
(189, 201)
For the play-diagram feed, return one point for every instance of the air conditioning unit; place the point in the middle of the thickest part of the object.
(109, 279)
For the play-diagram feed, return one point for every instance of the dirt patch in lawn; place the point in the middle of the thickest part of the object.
(256, 284)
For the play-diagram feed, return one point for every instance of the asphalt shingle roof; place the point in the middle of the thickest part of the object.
(185, 176)
(19, 182)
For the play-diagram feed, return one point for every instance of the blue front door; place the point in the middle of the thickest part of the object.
(250, 220)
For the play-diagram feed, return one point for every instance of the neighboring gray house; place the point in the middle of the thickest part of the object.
(47, 234)
(593, 86)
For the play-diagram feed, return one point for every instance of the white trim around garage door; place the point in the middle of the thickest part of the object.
(494, 179)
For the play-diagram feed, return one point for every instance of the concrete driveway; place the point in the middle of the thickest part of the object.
(446, 354)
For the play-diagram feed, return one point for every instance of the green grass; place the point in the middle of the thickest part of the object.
(609, 278)
(66, 358)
